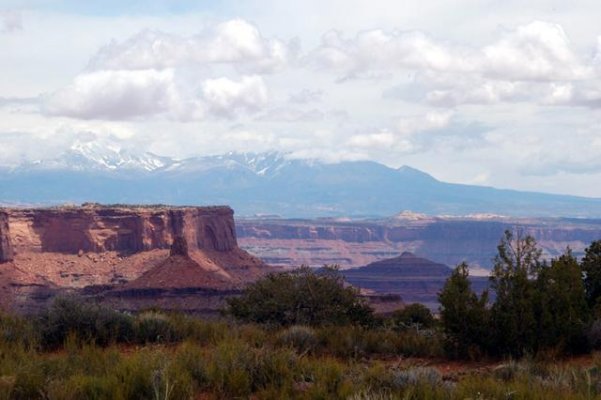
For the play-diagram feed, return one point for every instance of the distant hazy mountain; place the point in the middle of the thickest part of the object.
(268, 183)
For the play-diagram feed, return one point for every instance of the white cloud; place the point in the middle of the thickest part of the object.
(379, 52)
(115, 95)
(225, 96)
(475, 90)
(579, 93)
(123, 95)
(410, 134)
(535, 51)
(181, 78)
(235, 42)
(431, 121)
(374, 140)
(49, 142)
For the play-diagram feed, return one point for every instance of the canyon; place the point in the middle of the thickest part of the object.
(192, 258)
(352, 243)
(99, 251)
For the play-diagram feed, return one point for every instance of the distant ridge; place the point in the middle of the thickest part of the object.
(415, 279)
(407, 264)
(266, 183)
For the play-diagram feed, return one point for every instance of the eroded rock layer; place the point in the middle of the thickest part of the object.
(72, 230)
(447, 240)
(120, 255)
(6, 251)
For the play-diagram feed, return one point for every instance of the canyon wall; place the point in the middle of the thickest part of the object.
(125, 229)
(445, 240)
(6, 251)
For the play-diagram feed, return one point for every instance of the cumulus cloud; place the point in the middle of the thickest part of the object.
(380, 52)
(585, 93)
(532, 63)
(130, 94)
(235, 42)
(181, 78)
(115, 95)
(10, 21)
(476, 90)
(225, 96)
(535, 51)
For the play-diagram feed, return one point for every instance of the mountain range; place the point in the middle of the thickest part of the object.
(265, 184)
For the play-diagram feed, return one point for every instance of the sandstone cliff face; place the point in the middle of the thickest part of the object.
(128, 229)
(6, 251)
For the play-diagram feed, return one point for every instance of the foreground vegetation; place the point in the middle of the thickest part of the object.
(302, 335)
(538, 306)
(108, 355)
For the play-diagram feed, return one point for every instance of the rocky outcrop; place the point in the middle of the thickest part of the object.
(131, 257)
(6, 251)
(96, 228)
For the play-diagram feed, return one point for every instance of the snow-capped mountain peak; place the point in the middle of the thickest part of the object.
(111, 157)
(98, 156)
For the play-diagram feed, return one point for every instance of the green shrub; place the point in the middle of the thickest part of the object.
(229, 369)
(18, 331)
(301, 338)
(134, 374)
(29, 383)
(415, 316)
(155, 327)
(354, 342)
(89, 322)
(84, 387)
(191, 358)
(301, 297)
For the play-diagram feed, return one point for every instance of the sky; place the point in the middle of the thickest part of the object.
(496, 93)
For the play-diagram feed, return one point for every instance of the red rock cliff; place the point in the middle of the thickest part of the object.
(123, 229)
(6, 251)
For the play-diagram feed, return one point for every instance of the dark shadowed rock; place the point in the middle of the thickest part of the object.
(6, 251)
(179, 247)
(416, 279)
(407, 264)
